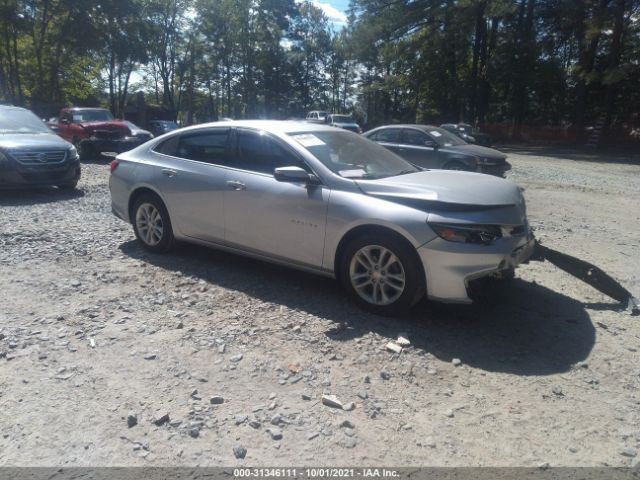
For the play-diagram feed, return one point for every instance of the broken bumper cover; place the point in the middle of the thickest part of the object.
(117, 145)
(450, 266)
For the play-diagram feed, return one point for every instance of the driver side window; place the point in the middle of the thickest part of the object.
(414, 137)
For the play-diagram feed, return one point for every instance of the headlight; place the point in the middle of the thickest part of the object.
(479, 234)
(73, 153)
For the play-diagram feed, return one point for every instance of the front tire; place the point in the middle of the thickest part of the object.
(458, 166)
(85, 151)
(382, 273)
(151, 224)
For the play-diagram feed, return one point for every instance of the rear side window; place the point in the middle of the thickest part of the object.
(259, 153)
(391, 135)
(208, 146)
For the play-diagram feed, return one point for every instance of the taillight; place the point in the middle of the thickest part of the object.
(113, 165)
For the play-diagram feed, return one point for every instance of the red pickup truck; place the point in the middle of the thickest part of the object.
(94, 131)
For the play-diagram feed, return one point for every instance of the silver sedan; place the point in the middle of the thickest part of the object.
(327, 201)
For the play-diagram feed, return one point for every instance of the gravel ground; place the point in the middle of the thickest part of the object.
(113, 356)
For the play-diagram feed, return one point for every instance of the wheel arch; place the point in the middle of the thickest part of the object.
(136, 193)
(373, 229)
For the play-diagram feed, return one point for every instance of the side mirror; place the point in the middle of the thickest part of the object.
(430, 144)
(293, 175)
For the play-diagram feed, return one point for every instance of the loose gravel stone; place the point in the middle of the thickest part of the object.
(239, 452)
(629, 452)
(132, 419)
(161, 418)
(331, 401)
(216, 400)
(275, 433)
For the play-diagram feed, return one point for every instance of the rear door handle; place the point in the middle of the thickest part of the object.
(236, 185)
(168, 172)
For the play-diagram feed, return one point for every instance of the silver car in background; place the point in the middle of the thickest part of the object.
(327, 201)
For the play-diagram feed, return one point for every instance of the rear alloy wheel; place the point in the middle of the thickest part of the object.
(151, 224)
(382, 274)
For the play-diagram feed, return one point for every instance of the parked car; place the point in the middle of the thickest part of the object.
(327, 201)
(344, 121)
(31, 154)
(317, 116)
(467, 133)
(140, 133)
(94, 131)
(433, 147)
(160, 127)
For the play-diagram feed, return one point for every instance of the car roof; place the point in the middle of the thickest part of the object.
(13, 107)
(273, 126)
(85, 108)
(408, 125)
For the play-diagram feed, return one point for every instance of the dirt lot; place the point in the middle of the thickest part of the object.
(93, 330)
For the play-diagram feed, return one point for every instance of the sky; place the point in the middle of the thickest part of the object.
(335, 10)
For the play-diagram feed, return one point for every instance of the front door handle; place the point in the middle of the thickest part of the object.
(168, 172)
(236, 185)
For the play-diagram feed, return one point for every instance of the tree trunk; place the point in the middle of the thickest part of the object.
(614, 61)
(477, 47)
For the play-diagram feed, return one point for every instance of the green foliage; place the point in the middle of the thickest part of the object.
(513, 61)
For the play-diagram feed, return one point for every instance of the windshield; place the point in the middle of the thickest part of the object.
(341, 118)
(352, 156)
(91, 116)
(444, 138)
(21, 121)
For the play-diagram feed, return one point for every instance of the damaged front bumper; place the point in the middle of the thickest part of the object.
(450, 267)
(98, 145)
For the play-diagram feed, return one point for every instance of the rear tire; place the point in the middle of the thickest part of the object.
(382, 273)
(151, 223)
(68, 186)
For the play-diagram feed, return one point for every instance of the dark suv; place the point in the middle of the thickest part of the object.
(31, 154)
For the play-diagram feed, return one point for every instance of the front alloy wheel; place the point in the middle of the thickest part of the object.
(377, 275)
(382, 272)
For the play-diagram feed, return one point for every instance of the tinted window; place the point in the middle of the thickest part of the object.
(414, 137)
(391, 135)
(208, 146)
(260, 153)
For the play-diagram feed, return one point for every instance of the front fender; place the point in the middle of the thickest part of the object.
(350, 210)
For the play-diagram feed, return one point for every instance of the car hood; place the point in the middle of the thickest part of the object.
(34, 141)
(476, 151)
(453, 196)
(463, 188)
